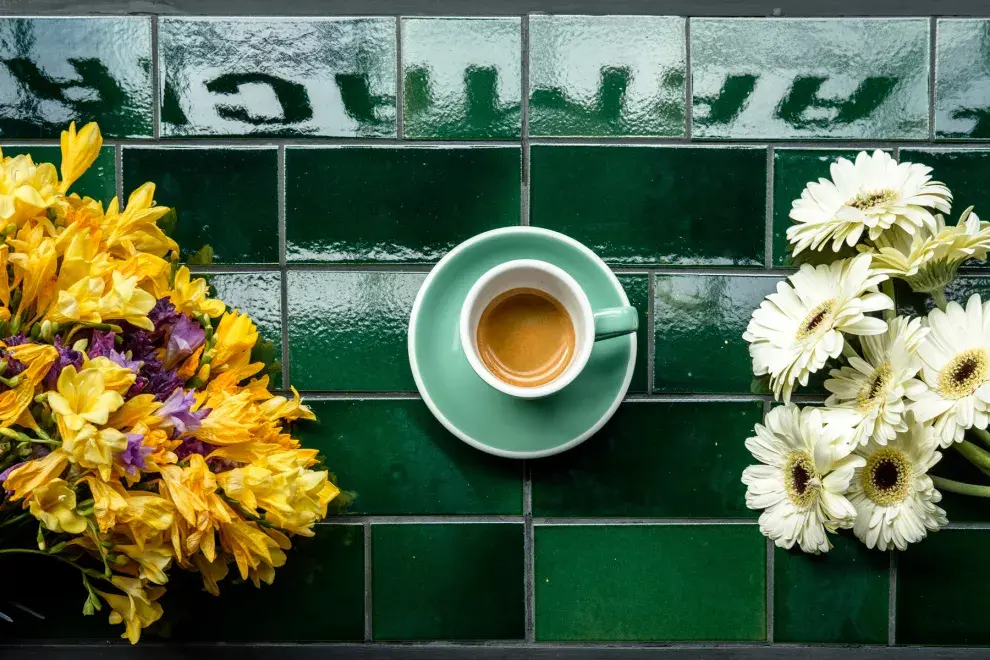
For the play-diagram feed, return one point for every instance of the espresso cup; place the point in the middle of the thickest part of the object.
(557, 286)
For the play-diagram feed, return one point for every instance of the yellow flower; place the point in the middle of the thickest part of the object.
(82, 257)
(279, 407)
(147, 516)
(38, 359)
(115, 377)
(236, 335)
(79, 150)
(80, 302)
(135, 228)
(136, 609)
(82, 397)
(94, 448)
(127, 302)
(26, 189)
(152, 272)
(152, 561)
(108, 501)
(233, 418)
(192, 296)
(34, 264)
(137, 410)
(54, 504)
(250, 546)
(212, 572)
(34, 474)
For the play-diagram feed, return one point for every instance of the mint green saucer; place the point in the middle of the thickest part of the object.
(481, 415)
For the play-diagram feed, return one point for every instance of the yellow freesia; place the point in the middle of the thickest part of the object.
(152, 561)
(147, 516)
(34, 263)
(152, 272)
(211, 571)
(192, 296)
(236, 335)
(82, 398)
(79, 150)
(233, 418)
(279, 407)
(38, 359)
(108, 501)
(82, 258)
(94, 448)
(32, 475)
(54, 505)
(127, 302)
(136, 410)
(250, 546)
(135, 228)
(26, 189)
(136, 609)
(80, 302)
(115, 377)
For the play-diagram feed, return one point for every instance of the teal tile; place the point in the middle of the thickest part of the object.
(347, 330)
(278, 76)
(962, 72)
(225, 199)
(919, 304)
(606, 75)
(838, 598)
(461, 78)
(638, 206)
(664, 583)
(398, 460)
(99, 181)
(846, 78)
(447, 582)
(58, 70)
(941, 598)
(638, 290)
(961, 508)
(648, 456)
(260, 296)
(396, 205)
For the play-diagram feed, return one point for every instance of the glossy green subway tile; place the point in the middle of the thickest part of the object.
(639, 206)
(462, 78)
(396, 205)
(278, 76)
(606, 75)
(57, 70)
(810, 78)
(650, 583)
(838, 598)
(447, 582)
(961, 508)
(919, 304)
(793, 169)
(398, 460)
(962, 71)
(638, 290)
(226, 200)
(941, 596)
(647, 457)
(347, 330)
(259, 296)
(99, 181)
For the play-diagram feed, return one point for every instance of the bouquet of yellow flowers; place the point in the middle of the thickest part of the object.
(136, 433)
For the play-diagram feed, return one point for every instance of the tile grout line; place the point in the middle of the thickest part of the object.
(524, 117)
(770, 586)
(688, 83)
(656, 397)
(367, 582)
(422, 268)
(768, 236)
(932, 63)
(892, 601)
(157, 94)
(400, 100)
(651, 338)
(118, 166)
(283, 270)
(529, 558)
(527, 520)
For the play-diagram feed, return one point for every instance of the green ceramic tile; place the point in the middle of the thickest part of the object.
(650, 583)
(396, 205)
(962, 71)
(398, 460)
(447, 582)
(941, 596)
(461, 78)
(647, 457)
(99, 181)
(919, 304)
(838, 598)
(278, 76)
(654, 205)
(57, 70)
(226, 200)
(961, 508)
(810, 78)
(606, 75)
(347, 330)
(793, 169)
(638, 290)
(259, 295)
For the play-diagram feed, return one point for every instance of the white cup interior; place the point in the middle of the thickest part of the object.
(530, 274)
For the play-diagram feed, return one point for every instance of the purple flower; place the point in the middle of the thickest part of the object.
(102, 345)
(186, 336)
(66, 356)
(5, 474)
(192, 446)
(175, 411)
(160, 382)
(163, 315)
(133, 456)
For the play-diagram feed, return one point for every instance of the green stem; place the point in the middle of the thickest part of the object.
(960, 487)
(27, 551)
(15, 520)
(983, 435)
(888, 289)
(978, 457)
(938, 295)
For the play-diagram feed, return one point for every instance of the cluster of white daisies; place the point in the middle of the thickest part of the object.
(900, 388)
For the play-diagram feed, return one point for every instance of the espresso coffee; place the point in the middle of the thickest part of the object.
(526, 337)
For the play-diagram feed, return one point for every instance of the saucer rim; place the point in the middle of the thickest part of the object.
(421, 387)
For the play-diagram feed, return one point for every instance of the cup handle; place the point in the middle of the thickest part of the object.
(615, 322)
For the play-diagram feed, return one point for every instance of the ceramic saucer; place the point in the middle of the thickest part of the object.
(471, 409)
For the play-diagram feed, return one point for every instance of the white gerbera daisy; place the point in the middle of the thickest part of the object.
(873, 195)
(868, 395)
(797, 329)
(893, 494)
(806, 468)
(955, 360)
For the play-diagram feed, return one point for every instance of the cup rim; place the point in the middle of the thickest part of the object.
(581, 355)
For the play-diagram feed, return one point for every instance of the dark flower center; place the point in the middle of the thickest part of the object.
(963, 374)
(868, 200)
(886, 476)
(815, 318)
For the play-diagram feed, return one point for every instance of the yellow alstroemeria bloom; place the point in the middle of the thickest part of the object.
(192, 296)
(94, 448)
(115, 377)
(54, 505)
(152, 561)
(136, 227)
(236, 335)
(108, 501)
(127, 302)
(82, 398)
(34, 474)
(79, 151)
(26, 189)
(147, 516)
(136, 609)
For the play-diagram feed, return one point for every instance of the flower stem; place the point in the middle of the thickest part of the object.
(960, 487)
(983, 435)
(27, 551)
(888, 289)
(938, 295)
(975, 455)
(15, 520)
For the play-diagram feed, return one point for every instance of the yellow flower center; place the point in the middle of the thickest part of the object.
(963, 374)
(875, 390)
(885, 477)
(815, 320)
(868, 200)
(800, 480)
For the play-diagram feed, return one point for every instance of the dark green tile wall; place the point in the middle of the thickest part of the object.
(330, 162)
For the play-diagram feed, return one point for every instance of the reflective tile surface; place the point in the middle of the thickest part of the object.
(962, 79)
